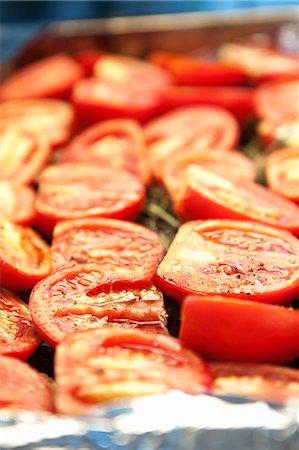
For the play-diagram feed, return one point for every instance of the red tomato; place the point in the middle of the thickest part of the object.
(17, 203)
(259, 63)
(259, 381)
(24, 257)
(99, 366)
(223, 257)
(22, 387)
(18, 336)
(22, 155)
(112, 244)
(199, 128)
(81, 297)
(51, 77)
(228, 329)
(51, 119)
(87, 59)
(197, 72)
(118, 143)
(206, 195)
(76, 190)
(282, 172)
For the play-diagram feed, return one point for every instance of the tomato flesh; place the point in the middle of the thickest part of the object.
(17, 203)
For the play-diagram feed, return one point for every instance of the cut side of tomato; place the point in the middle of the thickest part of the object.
(23, 388)
(231, 258)
(259, 381)
(112, 244)
(228, 329)
(18, 336)
(99, 366)
(51, 77)
(17, 203)
(24, 257)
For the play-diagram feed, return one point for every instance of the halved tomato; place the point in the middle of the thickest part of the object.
(228, 329)
(118, 143)
(199, 128)
(259, 381)
(22, 155)
(81, 297)
(51, 77)
(232, 258)
(51, 119)
(98, 366)
(18, 336)
(17, 203)
(24, 257)
(112, 244)
(207, 195)
(77, 190)
(22, 387)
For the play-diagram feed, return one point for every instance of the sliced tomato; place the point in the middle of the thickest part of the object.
(206, 195)
(51, 119)
(259, 381)
(189, 71)
(51, 77)
(222, 257)
(24, 257)
(17, 203)
(22, 387)
(112, 244)
(77, 190)
(282, 172)
(228, 329)
(22, 155)
(99, 366)
(199, 128)
(81, 297)
(119, 143)
(87, 59)
(18, 336)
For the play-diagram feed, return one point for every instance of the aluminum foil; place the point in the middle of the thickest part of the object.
(174, 421)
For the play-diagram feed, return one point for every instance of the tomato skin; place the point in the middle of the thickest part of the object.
(17, 203)
(25, 257)
(43, 79)
(228, 329)
(87, 59)
(128, 363)
(19, 338)
(231, 258)
(23, 388)
(260, 381)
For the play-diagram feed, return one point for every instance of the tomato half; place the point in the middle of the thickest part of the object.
(24, 257)
(81, 297)
(17, 203)
(22, 387)
(207, 195)
(51, 119)
(99, 366)
(228, 329)
(112, 244)
(118, 143)
(223, 257)
(199, 128)
(22, 155)
(18, 336)
(259, 381)
(77, 190)
(51, 77)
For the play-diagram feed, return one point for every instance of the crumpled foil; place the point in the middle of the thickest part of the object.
(175, 421)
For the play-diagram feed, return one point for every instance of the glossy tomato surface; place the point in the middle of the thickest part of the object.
(23, 388)
(231, 258)
(99, 366)
(112, 244)
(77, 190)
(18, 336)
(24, 257)
(17, 203)
(229, 329)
